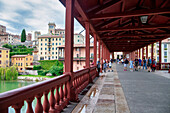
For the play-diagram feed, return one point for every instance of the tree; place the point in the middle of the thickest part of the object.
(23, 35)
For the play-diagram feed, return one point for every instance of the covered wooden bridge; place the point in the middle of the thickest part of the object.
(117, 25)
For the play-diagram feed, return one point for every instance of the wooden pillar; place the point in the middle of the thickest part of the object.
(151, 51)
(113, 55)
(147, 51)
(160, 54)
(95, 49)
(69, 38)
(139, 54)
(87, 45)
(102, 59)
(142, 52)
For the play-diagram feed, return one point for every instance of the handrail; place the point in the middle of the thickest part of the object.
(81, 72)
(19, 95)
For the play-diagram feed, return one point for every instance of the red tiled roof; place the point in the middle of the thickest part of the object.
(19, 55)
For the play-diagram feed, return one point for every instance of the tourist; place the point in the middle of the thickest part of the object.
(140, 61)
(144, 63)
(149, 64)
(125, 65)
(153, 65)
(104, 66)
(98, 66)
(110, 66)
(131, 65)
(136, 64)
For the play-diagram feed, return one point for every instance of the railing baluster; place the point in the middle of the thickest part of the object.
(65, 94)
(46, 104)
(52, 101)
(29, 102)
(18, 107)
(39, 107)
(57, 97)
(61, 96)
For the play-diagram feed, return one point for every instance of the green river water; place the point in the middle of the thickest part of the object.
(10, 85)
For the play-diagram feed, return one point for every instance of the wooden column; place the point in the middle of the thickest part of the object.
(142, 52)
(139, 54)
(102, 59)
(87, 45)
(95, 49)
(160, 54)
(147, 51)
(69, 38)
(113, 55)
(151, 51)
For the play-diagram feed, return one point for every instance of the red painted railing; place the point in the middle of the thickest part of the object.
(163, 66)
(61, 89)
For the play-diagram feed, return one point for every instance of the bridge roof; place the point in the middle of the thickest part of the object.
(125, 25)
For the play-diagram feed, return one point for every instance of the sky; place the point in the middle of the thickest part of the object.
(33, 15)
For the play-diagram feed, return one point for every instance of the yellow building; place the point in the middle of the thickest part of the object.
(4, 57)
(22, 61)
(48, 46)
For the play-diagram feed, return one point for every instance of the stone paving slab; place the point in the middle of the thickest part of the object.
(105, 96)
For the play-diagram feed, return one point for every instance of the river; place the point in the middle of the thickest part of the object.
(13, 84)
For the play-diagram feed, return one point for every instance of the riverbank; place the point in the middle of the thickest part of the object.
(34, 77)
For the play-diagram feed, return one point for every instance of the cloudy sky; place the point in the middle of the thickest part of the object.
(33, 15)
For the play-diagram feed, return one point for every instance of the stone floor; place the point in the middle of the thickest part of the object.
(106, 95)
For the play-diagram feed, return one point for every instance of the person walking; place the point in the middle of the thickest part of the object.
(140, 61)
(149, 64)
(110, 66)
(136, 64)
(98, 66)
(153, 65)
(131, 65)
(104, 66)
(144, 63)
(125, 65)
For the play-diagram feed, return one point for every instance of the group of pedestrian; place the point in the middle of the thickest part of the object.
(136, 64)
(106, 65)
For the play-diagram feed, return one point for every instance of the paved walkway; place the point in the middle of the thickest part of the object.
(145, 92)
(105, 96)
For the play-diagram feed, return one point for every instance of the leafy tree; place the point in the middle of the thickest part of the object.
(23, 35)
(56, 70)
(8, 46)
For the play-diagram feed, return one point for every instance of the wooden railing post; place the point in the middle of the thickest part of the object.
(29, 102)
(18, 107)
(52, 101)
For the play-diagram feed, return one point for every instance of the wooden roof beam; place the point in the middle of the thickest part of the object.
(141, 12)
(133, 28)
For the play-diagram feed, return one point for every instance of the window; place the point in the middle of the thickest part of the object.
(45, 48)
(59, 43)
(77, 62)
(52, 57)
(59, 39)
(41, 48)
(41, 53)
(53, 39)
(6, 61)
(56, 52)
(77, 49)
(0, 56)
(56, 48)
(0, 61)
(78, 40)
(0, 51)
(41, 39)
(6, 51)
(21, 58)
(45, 39)
(45, 52)
(56, 57)
(6, 56)
(18, 64)
(165, 53)
(165, 60)
(56, 43)
(26, 59)
(20, 68)
(51, 26)
(92, 55)
(26, 64)
(21, 64)
(45, 57)
(165, 46)
(77, 55)
(56, 39)
(52, 48)
(30, 58)
(53, 53)
(78, 36)
(41, 44)
(52, 43)
(45, 43)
